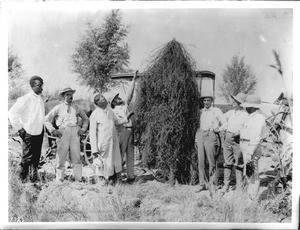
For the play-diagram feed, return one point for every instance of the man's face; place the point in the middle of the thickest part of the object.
(118, 101)
(207, 102)
(37, 87)
(102, 102)
(68, 97)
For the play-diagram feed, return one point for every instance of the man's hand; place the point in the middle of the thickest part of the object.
(98, 162)
(80, 132)
(236, 138)
(21, 132)
(57, 133)
(216, 130)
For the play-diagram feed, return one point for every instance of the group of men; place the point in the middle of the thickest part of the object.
(111, 135)
(110, 124)
(243, 128)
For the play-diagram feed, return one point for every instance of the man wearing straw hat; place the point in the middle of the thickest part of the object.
(68, 133)
(235, 119)
(210, 119)
(251, 136)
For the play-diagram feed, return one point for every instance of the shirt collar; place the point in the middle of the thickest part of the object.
(65, 104)
(34, 94)
(209, 109)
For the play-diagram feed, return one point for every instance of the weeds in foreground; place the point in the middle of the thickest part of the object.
(141, 202)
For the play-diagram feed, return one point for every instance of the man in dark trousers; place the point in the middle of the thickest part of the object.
(26, 117)
(125, 132)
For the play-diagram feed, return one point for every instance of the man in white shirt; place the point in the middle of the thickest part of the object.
(66, 118)
(210, 119)
(235, 119)
(27, 118)
(252, 134)
(125, 131)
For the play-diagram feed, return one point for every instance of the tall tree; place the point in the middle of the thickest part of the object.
(101, 52)
(16, 74)
(237, 77)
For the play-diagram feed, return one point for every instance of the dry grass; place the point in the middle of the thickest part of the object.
(141, 202)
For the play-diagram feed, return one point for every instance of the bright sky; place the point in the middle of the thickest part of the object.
(45, 40)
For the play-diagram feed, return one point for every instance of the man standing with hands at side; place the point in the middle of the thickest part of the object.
(235, 119)
(27, 117)
(252, 134)
(206, 139)
(66, 115)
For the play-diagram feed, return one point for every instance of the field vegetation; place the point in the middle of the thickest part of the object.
(147, 200)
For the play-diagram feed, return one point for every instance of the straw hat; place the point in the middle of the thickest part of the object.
(240, 97)
(68, 89)
(253, 101)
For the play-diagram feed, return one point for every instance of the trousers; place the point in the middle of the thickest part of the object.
(69, 143)
(232, 151)
(127, 148)
(32, 145)
(206, 145)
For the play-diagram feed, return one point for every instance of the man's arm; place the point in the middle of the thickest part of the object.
(225, 120)
(15, 112)
(119, 117)
(256, 132)
(131, 89)
(93, 134)
(220, 119)
(49, 118)
(85, 120)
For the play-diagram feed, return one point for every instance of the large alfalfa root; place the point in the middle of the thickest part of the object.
(168, 112)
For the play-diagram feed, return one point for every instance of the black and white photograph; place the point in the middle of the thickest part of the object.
(133, 116)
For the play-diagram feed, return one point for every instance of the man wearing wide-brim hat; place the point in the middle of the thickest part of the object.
(125, 131)
(252, 134)
(235, 119)
(69, 132)
(206, 140)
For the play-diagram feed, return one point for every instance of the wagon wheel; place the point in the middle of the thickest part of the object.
(86, 142)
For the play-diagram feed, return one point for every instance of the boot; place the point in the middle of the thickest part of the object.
(227, 174)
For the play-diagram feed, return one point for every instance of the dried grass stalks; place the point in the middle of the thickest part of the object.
(168, 112)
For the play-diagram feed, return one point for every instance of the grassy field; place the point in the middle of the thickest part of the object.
(146, 200)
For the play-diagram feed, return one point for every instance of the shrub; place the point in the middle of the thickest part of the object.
(168, 112)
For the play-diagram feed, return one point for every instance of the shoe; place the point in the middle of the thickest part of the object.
(130, 180)
(202, 188)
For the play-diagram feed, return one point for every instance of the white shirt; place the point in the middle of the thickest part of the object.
(28, 113)
(211, 118)
(235, 120)
(64, 119)
(121, 112)
(102, 125)
(253, 130)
